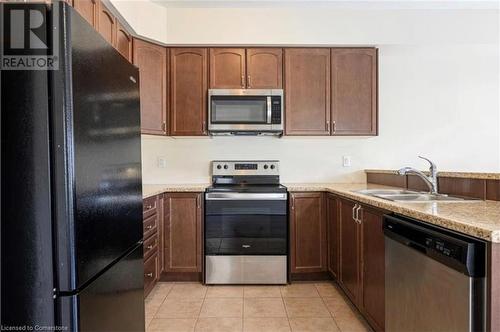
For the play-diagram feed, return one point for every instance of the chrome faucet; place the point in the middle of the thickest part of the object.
(430, 180)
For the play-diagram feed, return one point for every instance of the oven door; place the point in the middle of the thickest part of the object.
(246, 224)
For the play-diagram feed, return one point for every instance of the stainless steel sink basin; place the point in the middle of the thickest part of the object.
(409, 196)
(374, 192)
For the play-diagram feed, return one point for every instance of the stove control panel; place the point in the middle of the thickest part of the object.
(236, 167)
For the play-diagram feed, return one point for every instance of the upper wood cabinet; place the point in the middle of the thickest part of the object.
(88, 9)
(373, 262)
(153, 68)
(188, 91)
(239, 68)
(350, 256)
(307, 91)
(123, 41)
(182, 232)
(332, 220)
(106, 23)
(308, 247)
(354, 91)
(227, 68)
(264, 68)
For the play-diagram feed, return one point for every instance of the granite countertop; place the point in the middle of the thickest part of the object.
(149, 190)
(468, 175)
(476, 218)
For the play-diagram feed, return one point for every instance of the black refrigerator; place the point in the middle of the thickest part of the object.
(71, 190)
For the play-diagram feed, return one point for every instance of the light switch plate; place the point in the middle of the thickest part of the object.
(162, 162)
(346, 161)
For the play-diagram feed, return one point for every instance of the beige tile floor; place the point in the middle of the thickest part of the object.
(304, 307)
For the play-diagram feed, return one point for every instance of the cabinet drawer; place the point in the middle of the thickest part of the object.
(150, 273)
(151, 246)
(150, 206)
(150, 226)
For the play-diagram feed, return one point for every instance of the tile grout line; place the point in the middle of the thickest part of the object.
(331, 315)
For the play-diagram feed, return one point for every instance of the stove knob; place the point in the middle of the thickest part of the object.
(265, 166)
(219, 166)
(226, 167)
(273, 167)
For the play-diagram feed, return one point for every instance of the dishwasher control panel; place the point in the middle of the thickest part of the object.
(444, 247)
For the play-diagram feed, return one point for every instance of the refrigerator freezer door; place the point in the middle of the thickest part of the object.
(96, 131)
(112, 302)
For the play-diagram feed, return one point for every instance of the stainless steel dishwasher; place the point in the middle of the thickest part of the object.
(434, 278)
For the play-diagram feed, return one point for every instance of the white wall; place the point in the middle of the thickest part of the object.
(438, 89)
(145, 17)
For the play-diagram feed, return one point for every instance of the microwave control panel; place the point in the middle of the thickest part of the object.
(276, 110)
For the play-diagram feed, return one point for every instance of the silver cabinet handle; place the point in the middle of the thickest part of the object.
(358, 219)
(334, 126)
(149, 227)
(243, 81)
(149, 247)
(354, 212)
(149, 275)
(249, 81)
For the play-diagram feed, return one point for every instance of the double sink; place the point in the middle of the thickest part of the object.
(410, 196)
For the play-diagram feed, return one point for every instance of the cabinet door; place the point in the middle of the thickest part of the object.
(349, 251)
(123, 41)
(188, 96)
(182, 232)
(106, 24)
(88, 9)
(152, 62)
(227, 68)
(161, 234)
(308, 233)
(333, 234)
(307, 91)
(373, 262)
(264, 68)
(354, 91)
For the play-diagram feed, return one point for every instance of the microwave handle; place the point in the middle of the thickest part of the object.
(269, 112)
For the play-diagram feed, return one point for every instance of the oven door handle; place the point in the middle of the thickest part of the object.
(246, 196)
(269, 110)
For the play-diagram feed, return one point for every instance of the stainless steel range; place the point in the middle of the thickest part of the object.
(246, 224)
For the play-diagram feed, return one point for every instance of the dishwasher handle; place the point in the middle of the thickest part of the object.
(458, 251)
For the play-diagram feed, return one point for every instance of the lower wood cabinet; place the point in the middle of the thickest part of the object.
(152, 216)
(362, 259)
(182, 228)
(332, 225)
(151, 265)
(308, 232)
(350, 256)
(373, 262)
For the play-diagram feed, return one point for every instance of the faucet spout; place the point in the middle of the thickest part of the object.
(430, 181)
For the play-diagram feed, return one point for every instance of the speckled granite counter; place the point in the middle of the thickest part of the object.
(149, 190)
(478, 218)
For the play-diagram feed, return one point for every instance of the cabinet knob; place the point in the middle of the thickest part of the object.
(149, 247)
(149, 275)
(149, 227)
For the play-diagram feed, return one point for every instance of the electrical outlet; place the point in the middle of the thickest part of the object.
(162, 162)
(346, 161)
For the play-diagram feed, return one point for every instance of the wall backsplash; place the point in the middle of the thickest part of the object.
(438, 90)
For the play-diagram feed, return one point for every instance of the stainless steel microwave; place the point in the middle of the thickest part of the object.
(245, 111)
